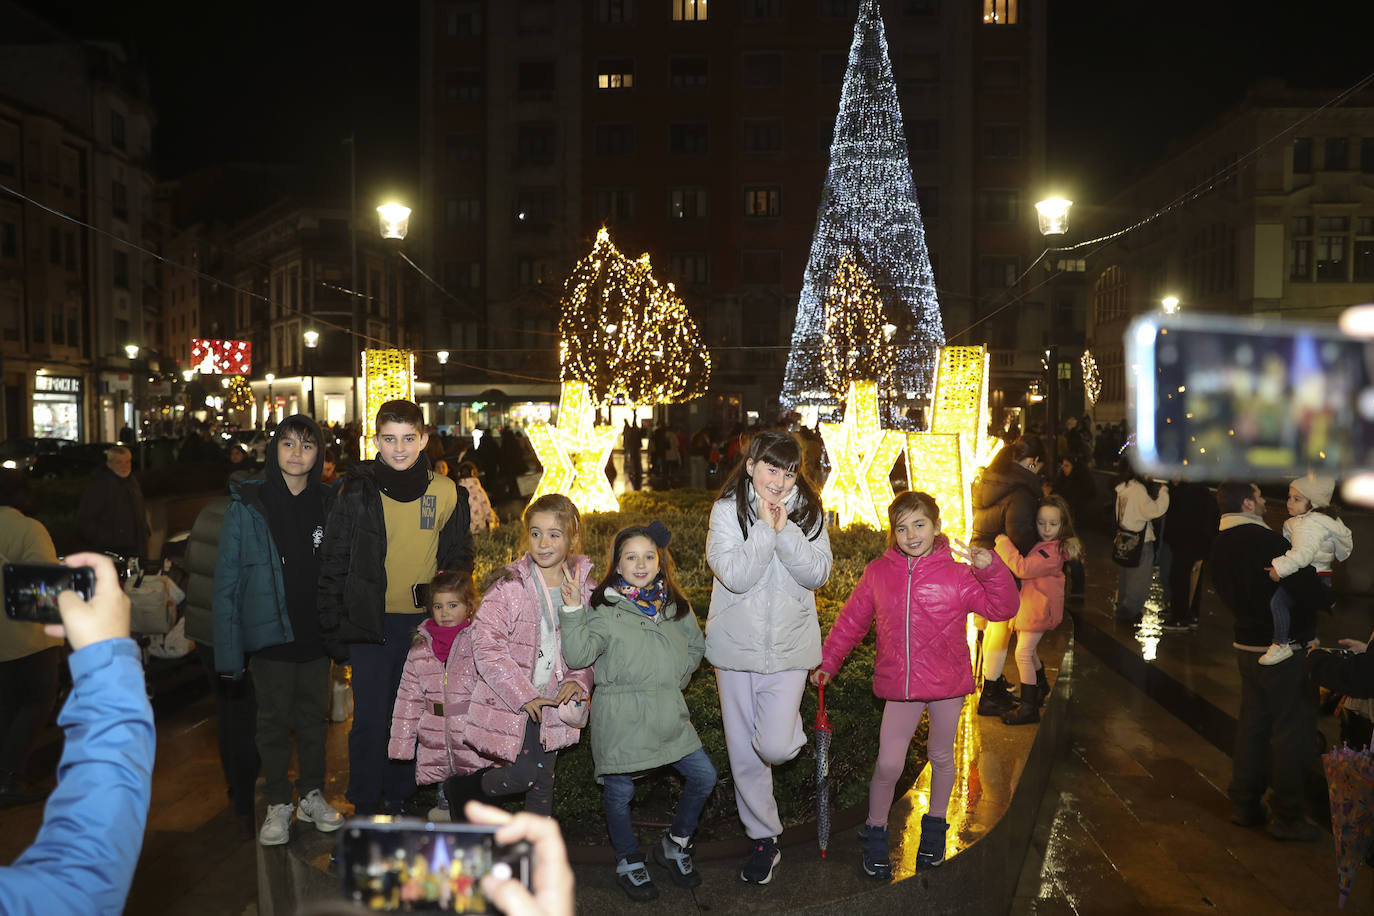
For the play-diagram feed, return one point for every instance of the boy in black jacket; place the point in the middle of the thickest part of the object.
(394, 525)
(1278, 705)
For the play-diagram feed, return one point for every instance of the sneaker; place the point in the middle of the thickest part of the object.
(1276, 654)
(931, 851)
(758, 868)
(1303, 831)
(276, 827)
(634, 879)
(315, 810)
(677, 858)
(873, 840)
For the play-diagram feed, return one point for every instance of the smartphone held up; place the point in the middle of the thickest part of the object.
(1218, 396)
(31, 589)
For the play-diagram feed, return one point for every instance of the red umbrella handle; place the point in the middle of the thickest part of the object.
(822, 696)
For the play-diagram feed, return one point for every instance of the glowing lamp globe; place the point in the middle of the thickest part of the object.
(395, 220)
(1053, 215)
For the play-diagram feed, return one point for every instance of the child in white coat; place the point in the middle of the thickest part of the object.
(1318, 538)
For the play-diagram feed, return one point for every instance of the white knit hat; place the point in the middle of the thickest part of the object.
(1317, 490)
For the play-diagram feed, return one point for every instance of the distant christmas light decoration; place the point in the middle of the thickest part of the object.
(945, 460)
(862, 454)
(574, 452)
(855, 344)
(238, 392)
(868, 206)
(388, 375)
(626, 336)
(1092, 378)
(221, 357)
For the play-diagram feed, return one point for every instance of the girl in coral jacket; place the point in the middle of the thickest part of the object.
(921, 596)
(1041, 572)
(528, 703)
(432, 702)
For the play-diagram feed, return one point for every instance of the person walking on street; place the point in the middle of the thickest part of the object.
(111, 514)
(1135, 510)
(1190, 525)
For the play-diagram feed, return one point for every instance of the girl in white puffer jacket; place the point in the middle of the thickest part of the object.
(1319, 538)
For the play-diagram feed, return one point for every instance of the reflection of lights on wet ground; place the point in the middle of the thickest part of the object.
(904, 824)
(1151, 626)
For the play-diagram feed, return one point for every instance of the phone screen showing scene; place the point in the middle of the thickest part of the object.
(421, 867)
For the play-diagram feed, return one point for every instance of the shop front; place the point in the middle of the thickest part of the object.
(57, 407)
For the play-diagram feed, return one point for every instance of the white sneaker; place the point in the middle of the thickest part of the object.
(276, 827)
(1276, 654)
(315, 810)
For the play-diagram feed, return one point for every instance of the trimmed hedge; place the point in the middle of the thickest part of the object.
(854, 712)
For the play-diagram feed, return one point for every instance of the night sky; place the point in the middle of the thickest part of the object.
(285, 81)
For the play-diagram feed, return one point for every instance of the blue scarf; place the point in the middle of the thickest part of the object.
(649, 600)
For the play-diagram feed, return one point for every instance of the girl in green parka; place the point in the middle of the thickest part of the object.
(645, 642)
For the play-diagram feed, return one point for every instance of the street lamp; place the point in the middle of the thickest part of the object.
(1053, 216)
(312, 340)
(395, 220)
(443, 383)
(1170, 304)
(271, 404)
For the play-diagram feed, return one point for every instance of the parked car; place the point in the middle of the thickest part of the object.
(79, 459)
(19, 453)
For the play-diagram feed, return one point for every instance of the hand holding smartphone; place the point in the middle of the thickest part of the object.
(31, 589)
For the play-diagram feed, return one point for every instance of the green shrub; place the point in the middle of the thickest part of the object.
(854, 712)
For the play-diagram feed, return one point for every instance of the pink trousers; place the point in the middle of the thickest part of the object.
(900, 718)
(1025, 655)
(763, 727)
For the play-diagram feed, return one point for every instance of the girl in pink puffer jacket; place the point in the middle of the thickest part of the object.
(921, 596)
(431, 706)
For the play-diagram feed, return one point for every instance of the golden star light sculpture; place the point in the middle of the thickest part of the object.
(862, 454)
(574, 453)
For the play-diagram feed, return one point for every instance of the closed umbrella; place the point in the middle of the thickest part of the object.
(823, 735)
(1350, 783)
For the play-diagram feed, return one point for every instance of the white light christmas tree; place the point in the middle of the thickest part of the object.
(868, 206)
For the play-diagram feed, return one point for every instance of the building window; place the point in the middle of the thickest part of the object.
(55, 246)
(462, 148)
(119, 200)
(464, 20)
(689, 268)
(534, 81)
(535, 17)
(533, 271)
(688, 72)
(615, 73)
(998, 205)
(832, 68)
(615, 139)
(923, 136)
(998, 271)
(763, 70)
(9, 149)
(463, 86)
(928, 199)
(689, 10)
(687, 203)
(1366, 156)
(692, 139)
(536, 206)
(1337, 154)
(1364, 249)
(1331, 249)
(762, 201)
(1109, 295)
(463, 274)
(762, 266)
(119, 262)
(840, 9)
(9, 240)
(69, 251)
(1000, 12)
(762, 135)
(920, 70)
(462, 210)
(1300, 249)
(1002, 141)
(535, 143)
(117, 130)
(614, 12)
(762, 9)
(1000, 74)
(615, 204)
(920, 7)
(1302, 155)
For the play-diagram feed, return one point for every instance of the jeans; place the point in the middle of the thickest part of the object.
(1275, 735)
(376, 677)
(700, 775)
(1133, 585)
(1281, 607)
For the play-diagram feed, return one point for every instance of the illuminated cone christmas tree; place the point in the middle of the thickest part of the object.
(868, 206)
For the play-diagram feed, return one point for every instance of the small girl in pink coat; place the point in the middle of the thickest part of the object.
(1042, 599)
(431, 706)
(528, 703)
(921, 596)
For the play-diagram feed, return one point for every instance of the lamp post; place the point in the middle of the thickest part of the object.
(443, 383)
(1053, 217)
(312, 340)
(1169, 304)
(271, 403)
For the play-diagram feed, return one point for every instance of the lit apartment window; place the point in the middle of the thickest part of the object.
(689, 10)
(762, 135)
(614, 11)
(687, 203)
(689, 139)
(1000, 12)
(762, 201)
(616, 73)
(688, 72)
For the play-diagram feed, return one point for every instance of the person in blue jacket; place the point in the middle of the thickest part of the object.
(266, 577)
(83, 859)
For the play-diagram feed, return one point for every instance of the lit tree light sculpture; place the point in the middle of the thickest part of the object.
(855, 345)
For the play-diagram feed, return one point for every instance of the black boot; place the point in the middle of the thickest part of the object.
(996, 699)
(1028, 712)
(459, 790)
(1043, 683)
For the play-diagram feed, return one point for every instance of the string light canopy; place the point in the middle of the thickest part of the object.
(862, 453)
(855, 345)
(868, 207)
(625, 336)
(388, 375)
(574, 452)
